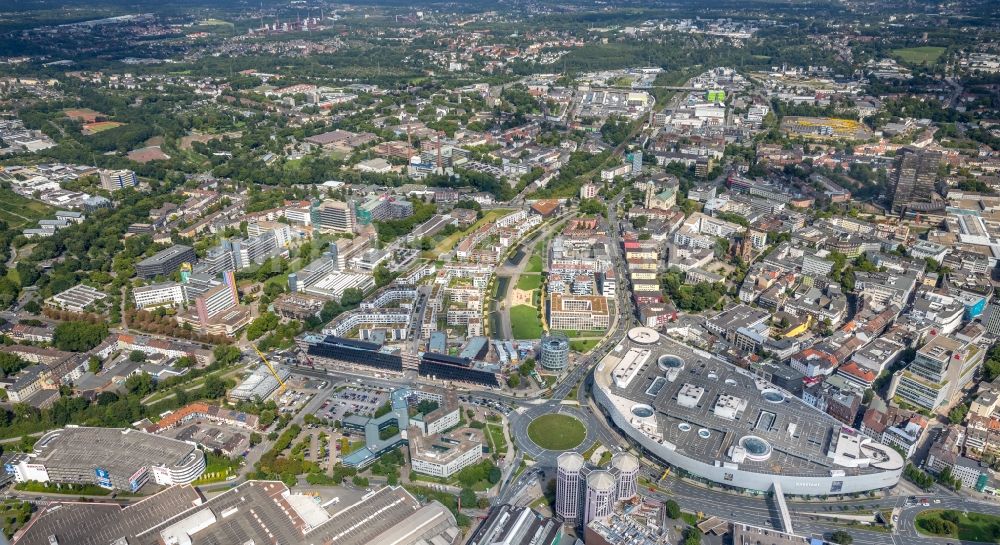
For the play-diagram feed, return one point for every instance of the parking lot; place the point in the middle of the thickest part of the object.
(359, 400)
(496, 406)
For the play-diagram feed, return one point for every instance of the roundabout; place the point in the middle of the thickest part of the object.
(548, 429)
(556, 431)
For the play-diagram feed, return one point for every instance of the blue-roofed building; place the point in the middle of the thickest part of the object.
(438, 342)
(375, 446)
(476, 348)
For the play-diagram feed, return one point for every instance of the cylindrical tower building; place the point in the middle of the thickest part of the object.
(569, 466)
(627, 467)
(601, 490)
(555, 351)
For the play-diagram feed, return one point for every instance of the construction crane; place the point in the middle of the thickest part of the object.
(281, 383)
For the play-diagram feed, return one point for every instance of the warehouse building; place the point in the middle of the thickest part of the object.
(252, 512)
(259, 385)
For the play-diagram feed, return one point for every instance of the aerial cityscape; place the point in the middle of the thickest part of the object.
(302, 272)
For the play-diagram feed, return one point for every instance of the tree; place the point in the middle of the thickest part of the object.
(514, 381)
(94, 364)
(468, 497)
(266, 418)
(11, 364)
(494, 475)
(255, 439)
(841, 537)
(78, 336)
(352, 297)
(264, 323)
(137, 356)
(226, 354)
(214, 387)
(673, 509)
(382, 275)
(185, 362)
(140, 384)
(957, 414)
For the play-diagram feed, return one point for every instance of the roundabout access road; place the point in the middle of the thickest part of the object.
(520, 419)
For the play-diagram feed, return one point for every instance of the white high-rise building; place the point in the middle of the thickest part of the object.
(601, 491)
(991, 318)
(113, 180)
(627, 466)
(569, 466)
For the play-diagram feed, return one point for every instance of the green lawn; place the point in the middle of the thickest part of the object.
(583, 346)
(971, 527)
(497, 441)
(556, 432)
(20, 212)
(528, 282)
(71, 489)
(524, 323)
(919, 55)
(534, 264)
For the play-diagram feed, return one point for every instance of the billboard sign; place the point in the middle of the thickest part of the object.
(103, 477)
(137, 479)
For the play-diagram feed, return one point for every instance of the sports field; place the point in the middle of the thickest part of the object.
(919, 55)
(100, 126)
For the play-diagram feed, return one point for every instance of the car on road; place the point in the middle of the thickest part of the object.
(937, 501)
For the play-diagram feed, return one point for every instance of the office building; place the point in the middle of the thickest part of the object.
(601, 494)
(218, 259)
(383, 208)
(626, 469)
(939, 372)
(569, 476)
(913, 177)
(113, 180)
(335, 216)
(555, 351)
(255, 250)
(113, 458)
(166, 293)
(991, 318)
(443, 455)
(217, 299)
(166, 261)
(578, 312)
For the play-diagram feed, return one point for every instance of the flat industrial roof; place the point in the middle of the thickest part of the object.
(117, 450)
(255, 511)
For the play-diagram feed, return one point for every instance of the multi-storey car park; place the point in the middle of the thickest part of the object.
(723, 424)
(114, 458)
